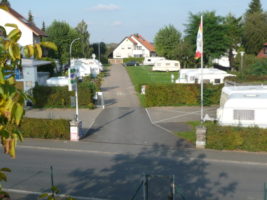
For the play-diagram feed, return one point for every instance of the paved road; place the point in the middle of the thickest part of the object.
(123, 121)
(86, 174)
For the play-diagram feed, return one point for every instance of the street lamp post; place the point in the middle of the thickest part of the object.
(99, 51)
(242, 60)
(76, 87)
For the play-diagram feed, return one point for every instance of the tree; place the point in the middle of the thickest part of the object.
(214, 32)
(103, 50)
(62, 35)
(5, 2)
(30, 17)
(43, 26)
(233, 35)
(166, 41)
(185, 54)
(82, 30)
(254, 32)
(254, 7)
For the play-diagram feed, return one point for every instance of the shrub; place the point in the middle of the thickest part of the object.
(139, 60)
(236, 138)
(45, 128)
(181, 94)
(44, 96)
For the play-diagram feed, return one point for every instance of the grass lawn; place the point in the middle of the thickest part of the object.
(142, 75)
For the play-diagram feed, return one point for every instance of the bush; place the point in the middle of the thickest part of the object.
(44, 96)
(44, 128)
(181, 94)
(139, 60)
(236, 138)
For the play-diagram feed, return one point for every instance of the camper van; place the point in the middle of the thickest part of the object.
(151, 60)
(166, 65)
(210, 75)
(243, 106)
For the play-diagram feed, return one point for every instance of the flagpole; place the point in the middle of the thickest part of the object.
(201, 92)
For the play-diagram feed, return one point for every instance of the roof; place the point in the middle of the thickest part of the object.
(250, 89)
(262, 53)
(27, 62)
(144, 42)
(34, 28)
(132, 40)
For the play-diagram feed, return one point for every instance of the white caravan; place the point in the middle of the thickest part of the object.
(166, 65)
(152, 60)
(58, 81)
(243, 106)
(210, 75)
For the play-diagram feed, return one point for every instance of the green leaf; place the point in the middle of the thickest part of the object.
(19, 111)
(42, 196)
(19, 134)
(4, 133)
(11, 25)
(11, 53)
(3, 176)
(5, 169)
(49, 45)
(38, 51)
(14, 34)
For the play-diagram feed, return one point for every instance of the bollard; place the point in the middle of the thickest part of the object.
(75, 130)
(201, 137)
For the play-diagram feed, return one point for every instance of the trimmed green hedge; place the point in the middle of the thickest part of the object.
(139, 60)
(44, 96)
(236, 138)
(181, 94)
(44, 128)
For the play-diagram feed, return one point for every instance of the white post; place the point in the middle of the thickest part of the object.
(241, 64)
(202, 112)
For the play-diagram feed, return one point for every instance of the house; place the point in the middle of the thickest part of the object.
(263, 51)
(30, 33)
(243, 106)
(134, 46)
(166, 65)
(210, 75)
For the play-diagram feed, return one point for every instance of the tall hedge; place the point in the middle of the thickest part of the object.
(44, 128)
(44, 96)
(181, 94)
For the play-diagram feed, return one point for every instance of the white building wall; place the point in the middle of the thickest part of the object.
(124, 50)
(27, 34)
(144, 50)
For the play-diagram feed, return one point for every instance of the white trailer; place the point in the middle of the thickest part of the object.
(152, 60)
(210, 75)
(166, 65)
(243, 106)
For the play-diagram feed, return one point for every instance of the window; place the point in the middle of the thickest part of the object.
(122, 47)
(192, 78)
(129, 47)
(217, 81)
(244, 114)
(168, 64)
(206, 81)
(176, 64)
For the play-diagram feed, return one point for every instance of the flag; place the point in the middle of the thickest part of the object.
(199, 42)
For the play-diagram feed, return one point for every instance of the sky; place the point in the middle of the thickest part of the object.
(111, 20)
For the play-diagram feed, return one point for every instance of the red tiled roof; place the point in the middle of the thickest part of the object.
(262, 54)
(132, 40)
(144, 42)
(34, 29)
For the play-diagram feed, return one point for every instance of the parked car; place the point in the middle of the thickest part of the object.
(131, 63)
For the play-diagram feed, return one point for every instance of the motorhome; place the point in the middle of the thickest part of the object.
(152, 60)
(243, 106)
(210, 75)
(166, 65)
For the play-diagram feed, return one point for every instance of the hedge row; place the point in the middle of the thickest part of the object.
(44, 96)
(45, 128)
(181, 94)
(139, 60)
(236, 138)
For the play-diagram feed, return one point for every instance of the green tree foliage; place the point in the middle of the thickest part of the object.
(166, 42)
(255, 32)
(214, 32)
(82, 30)
(30, 17)
(185, 54)
(5, 2)
(233, 35)
(62, 35)
(103, 49)
(43, 26)
(254, 7)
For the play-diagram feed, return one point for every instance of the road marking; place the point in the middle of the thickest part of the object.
(67, 150)
(9, 190)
